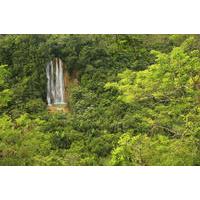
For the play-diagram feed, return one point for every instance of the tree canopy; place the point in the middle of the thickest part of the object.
(137, 101)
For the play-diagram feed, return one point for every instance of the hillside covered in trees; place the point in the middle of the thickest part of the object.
(137, 101)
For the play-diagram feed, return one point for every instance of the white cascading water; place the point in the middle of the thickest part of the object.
(61, 80)
(48, 84)
(55, 82)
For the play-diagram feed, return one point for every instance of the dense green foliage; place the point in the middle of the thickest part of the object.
(137, 102)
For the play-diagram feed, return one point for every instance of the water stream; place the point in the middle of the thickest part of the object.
(55, 82)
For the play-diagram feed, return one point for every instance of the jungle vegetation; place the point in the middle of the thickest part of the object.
(137, 102)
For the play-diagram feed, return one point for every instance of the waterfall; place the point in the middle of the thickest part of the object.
(52, 89)
(57, 97)
(61, 78)
(48, 84)
(55, 82)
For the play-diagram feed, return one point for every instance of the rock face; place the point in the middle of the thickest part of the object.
(58, 108)
(58, 85)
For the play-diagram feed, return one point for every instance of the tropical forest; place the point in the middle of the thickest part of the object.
(99, 100)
